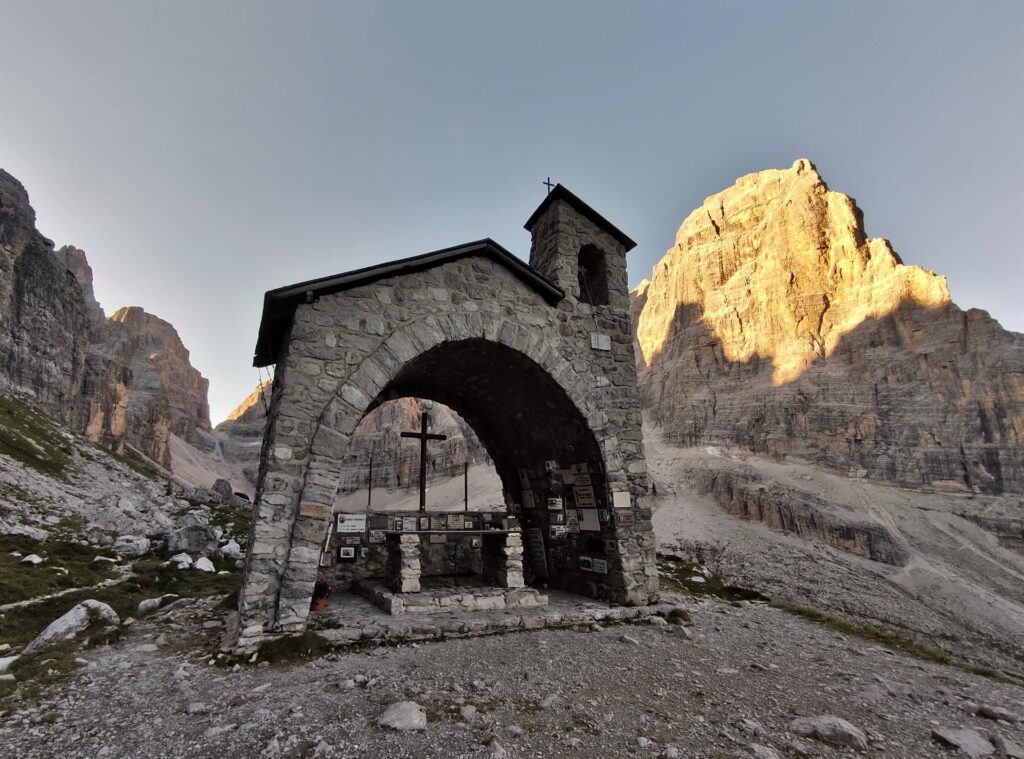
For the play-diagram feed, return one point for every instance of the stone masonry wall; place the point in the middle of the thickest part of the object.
(345, 349)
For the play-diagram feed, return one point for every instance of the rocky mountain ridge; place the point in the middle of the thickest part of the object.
(775, 324)
(122, 380)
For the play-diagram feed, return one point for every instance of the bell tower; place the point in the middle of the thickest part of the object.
(581, 252)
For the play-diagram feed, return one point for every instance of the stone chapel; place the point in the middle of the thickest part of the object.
(537, 358)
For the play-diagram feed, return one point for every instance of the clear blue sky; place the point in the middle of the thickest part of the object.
(204, 152)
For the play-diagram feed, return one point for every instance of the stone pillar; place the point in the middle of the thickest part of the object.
(503, 559)
(403, 568)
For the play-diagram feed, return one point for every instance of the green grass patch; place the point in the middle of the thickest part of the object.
(20, 626)
(20, 582)
(139, 463)
(234, 521)
(679, 576)
(31, 437)
(892, 638)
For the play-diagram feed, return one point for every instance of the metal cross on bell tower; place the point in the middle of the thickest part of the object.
(549, 184)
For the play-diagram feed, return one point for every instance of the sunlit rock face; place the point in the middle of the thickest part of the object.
(774, 323)
(140, 387)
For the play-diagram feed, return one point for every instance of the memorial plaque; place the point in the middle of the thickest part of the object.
(350, 540)
(380, 522)
(528, 501)
(347, 553)
(600, 566)
(535, 551)
(557, 531)
(621, 499)
(351, 523)
(550, 466)
(572, 521)
(579, 475)
(469, 523)
(557, 517)
(377, 536)
(585, 498)
(438, 523)
(624, 519)
(589, 521)
(424, 524)
(555, 503)
(456, 521)
(611, 547)
(409, 524)
(476, 542)
(586, 564)
(438, 538)
(364, 552)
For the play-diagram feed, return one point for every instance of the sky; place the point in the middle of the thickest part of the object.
(204, 152)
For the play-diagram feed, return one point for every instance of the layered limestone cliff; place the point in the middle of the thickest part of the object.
(122, 380)
(775, 324)
(139, 386)
(43, 321)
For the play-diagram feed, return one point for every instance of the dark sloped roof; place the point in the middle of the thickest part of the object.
(279, 305)
(560, 193)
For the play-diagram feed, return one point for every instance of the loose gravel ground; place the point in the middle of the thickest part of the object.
(734, 679)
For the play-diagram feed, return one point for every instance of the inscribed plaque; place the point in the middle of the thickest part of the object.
(528, 502)
(589, 521)
(585, 498)
(621, 499)
(600, 566)
(351, 523)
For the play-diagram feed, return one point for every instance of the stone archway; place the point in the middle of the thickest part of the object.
(539, 374)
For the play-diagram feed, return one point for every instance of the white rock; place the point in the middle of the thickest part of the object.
(32, 559)
(404, 716)
(203, 564)
(181, 558)
(968, 741)
(763, 752)
(644, 742)
(830, 729)
(6, 662)
(196, 708)
(131, 545)
(104, 560)
(72, 623)
(7, 678)
(697, 579)
(231, 550)
(468, 712)
(24, 530)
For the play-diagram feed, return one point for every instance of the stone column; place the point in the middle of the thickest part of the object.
(403, 569)
(503, 559)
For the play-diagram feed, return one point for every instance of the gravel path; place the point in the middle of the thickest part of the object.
(735, 679)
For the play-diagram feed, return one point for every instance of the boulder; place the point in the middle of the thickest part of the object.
(231, 550)
(131, 545)
(194, 539)
(203, 564)
(33, 559)
(223, 488)
(404, 716)
(152, 604)
(969, 742)
(829, 729)
(73, 622)
(35, 533)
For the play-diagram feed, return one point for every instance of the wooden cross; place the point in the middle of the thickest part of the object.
(549, 184)
(423, 437)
